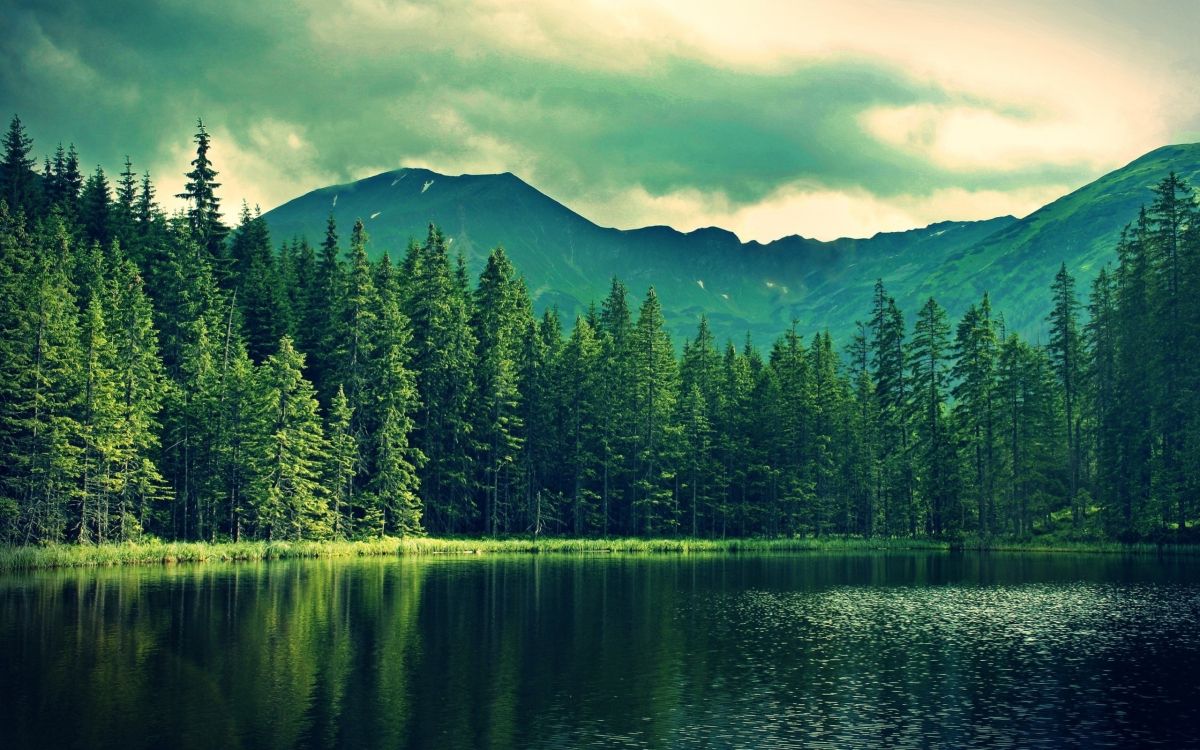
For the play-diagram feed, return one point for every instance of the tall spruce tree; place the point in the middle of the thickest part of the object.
(500, 321)
(1066, 353)
(204, 207)
(291, 500)
(656, 387)
(973, 373)
(18, 179)
(443, 358)
(929, 347)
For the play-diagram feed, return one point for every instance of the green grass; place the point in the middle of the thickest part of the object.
(155, 552)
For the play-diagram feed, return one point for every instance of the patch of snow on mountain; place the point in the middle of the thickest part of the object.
(426, 185)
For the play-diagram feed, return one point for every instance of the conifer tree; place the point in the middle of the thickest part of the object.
(94, 208)
(828, 416)
(260, 292)
(71, 185)
(542, 475)
(618, 428)
(443, 353)
(18, 179)
(341, 464)
(292, 502)
(1066, 353)
(321, 313)
(389, 406)
(975, 351)
(350, 330)
(43, 382)
(929, 380)
(137, 372)
(501, 319)
(1170, 215)
(580, 375)
(204, 207)
(656, 387)
(700, 375)
(123, 211)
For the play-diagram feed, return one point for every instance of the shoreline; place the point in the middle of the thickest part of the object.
(157, 552)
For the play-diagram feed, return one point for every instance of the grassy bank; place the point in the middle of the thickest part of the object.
(154, 552)
(158, 552)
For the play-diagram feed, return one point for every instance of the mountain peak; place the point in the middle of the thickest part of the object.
(743, 287)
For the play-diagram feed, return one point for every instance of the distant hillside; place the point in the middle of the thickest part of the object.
(746, 287)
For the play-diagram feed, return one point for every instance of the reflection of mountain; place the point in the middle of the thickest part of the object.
(568, 261)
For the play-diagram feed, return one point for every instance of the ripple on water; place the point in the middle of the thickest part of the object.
(1038, 665)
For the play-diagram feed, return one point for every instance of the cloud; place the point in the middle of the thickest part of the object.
(968, 139)
(816, 212)
(774, 117)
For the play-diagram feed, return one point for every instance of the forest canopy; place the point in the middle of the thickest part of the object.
(173, 375)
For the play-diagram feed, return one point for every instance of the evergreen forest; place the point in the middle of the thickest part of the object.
(186, 376)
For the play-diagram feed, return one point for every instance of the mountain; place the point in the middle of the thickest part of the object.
(568, 261)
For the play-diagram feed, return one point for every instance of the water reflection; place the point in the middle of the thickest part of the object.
(729, 651)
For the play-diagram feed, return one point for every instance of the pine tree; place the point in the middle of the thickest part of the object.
(137, 373)
(299, 283)
(260, 292)
(656, 387)
(94, 208)
(828, 416)
(443, 358)
(1134, 377)
(204, 209)
(501, 319)
(18, 179)
(342, 463)
(43, 382)
(542, 476)
(390, 404)
(700, 375)
(53, 189)
(581, 398)
(867, 449)
(321, 313)
(98, 424)
(291, 500)
(929, 380)
(791, 369)
(123, 211)
(975, 351)
(350, 330)
(888, 364)
(1066, 352)
(617, 431)
(17, 259)
(1171, 214)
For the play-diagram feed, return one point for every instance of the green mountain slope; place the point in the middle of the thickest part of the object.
(1081, 229)
(568, 261)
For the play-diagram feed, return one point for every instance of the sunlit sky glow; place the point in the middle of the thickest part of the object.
(767, 118)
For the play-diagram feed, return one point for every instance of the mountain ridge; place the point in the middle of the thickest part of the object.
(745, 287)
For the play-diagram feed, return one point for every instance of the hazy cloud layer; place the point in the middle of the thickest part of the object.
(778, 118)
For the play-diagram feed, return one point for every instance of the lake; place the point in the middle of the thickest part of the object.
(799, 650)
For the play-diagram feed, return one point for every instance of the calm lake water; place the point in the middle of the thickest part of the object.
(910, 650)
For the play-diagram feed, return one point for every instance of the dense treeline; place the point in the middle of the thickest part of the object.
(174, 376)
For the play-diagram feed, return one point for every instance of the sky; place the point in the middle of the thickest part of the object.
(767, 118)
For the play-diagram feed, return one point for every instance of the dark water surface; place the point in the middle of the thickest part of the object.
(908, 650)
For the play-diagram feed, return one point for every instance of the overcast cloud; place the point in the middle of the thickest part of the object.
(766, 118)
